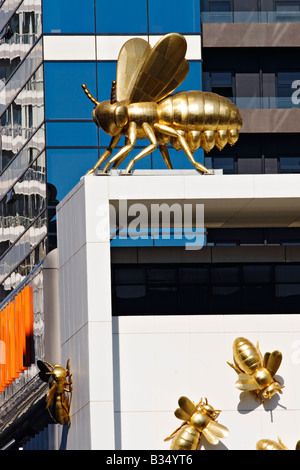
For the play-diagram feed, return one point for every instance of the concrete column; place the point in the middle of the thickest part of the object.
(85, 306)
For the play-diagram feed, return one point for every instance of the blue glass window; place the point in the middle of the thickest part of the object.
(71, 134)
(65, 167)
(179, 159)
(289, 164)
(67, 16)
(123, 17)
(169, 16)
(193, 79)
(64, 96)
(106, 72)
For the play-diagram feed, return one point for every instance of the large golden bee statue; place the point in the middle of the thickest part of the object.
(256, 373)
(198, 420)
(140, 107)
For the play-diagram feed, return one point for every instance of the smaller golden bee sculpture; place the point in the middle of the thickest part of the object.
(198, 419)
(268, 444)
(58, 400)
(256, 373)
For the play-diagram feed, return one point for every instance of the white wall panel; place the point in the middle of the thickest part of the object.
(88, 47)
(187, 355)
(69, 47)
(108, 47)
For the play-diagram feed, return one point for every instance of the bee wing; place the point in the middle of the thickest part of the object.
(273, 361)
(50, 395)
(181, 414)
(217, 429)
(187, 405)
(131, 58)
(44, 370)
(210, 436)
(246, 382)
(163, 71)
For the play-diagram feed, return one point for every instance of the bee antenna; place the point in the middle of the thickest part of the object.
(86, 91)
(113, 92)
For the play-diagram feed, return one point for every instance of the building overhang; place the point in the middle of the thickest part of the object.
(229, 201)
(250, 34)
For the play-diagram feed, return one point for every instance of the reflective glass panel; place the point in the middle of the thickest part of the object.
(22, 118)
(71, 134)
(67, 17)
(64, 96)
(18, 37)
(20, 76)
(65, 167)
(193, 79)
(167, 16)
(7, 8)
(23, 204)
(287, 273)
(289, 164)
(106, 73)
(125, 17)
(22, 161)
(26, 266)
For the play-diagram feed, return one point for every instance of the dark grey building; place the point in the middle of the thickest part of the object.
(250, 52)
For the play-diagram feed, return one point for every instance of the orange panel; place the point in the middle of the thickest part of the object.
(19, 342)
(3, 359)
(28, 296)
(12, 338)
(16, 335)
(6, 341)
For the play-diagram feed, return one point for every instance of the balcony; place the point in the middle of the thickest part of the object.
(250, 17)
(250, 29)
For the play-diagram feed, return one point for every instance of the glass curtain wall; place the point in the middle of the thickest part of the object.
(23, 193)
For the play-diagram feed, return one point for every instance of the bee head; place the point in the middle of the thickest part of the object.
(271, 390)
(58, 373)
(209, 410)
(110, 117)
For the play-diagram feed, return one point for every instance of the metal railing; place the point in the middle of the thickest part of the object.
(250, 17)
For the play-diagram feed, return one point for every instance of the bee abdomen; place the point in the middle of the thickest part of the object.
(186, 439)
(58, 411)
(267, 444)
(246, 355)
(216, 117)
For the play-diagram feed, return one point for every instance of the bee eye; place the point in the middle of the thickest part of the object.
(121, 116)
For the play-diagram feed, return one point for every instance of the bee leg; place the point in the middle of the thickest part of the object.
(184, 145)
(174, 432)
(238, 371)
(151, 136)
(120, 160)
(124, 150)
(165, 154)
(107, 153)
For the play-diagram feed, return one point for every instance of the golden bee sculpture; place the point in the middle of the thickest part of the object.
(268, 444)
(140, 107)
(198, 419)
(256, 373)
(60, 384)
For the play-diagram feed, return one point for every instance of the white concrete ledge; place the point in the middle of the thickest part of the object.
(229, 200)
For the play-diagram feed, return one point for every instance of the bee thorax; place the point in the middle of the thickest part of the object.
(262, 377)
(199, 420)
